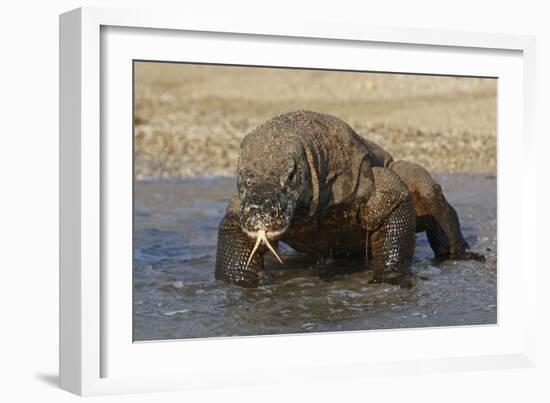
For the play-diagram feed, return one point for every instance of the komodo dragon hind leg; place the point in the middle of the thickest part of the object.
(434, 213)
(390, 220)
(234, 249)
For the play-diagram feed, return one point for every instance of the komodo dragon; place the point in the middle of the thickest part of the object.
(309, 180)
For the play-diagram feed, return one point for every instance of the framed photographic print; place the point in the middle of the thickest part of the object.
(243, 202)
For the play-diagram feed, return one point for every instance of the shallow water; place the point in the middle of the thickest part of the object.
(176, 295)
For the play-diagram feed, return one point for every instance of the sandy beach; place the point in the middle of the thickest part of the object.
(190, 119)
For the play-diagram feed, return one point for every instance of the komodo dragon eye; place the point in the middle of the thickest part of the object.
(243, 182)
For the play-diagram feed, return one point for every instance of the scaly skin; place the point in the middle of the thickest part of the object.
(309, 180)
(390, 217)
(234, 247)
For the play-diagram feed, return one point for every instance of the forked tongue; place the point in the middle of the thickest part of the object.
(256, 245)
(262, 238)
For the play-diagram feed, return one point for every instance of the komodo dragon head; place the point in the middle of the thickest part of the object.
(273, 176)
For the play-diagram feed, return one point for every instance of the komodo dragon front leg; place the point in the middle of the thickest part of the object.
(434, 214)
(389, 218)
(233, 253)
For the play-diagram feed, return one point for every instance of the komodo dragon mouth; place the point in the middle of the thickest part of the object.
(261, 238)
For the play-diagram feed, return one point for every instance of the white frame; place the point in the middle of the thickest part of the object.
(82, 304)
